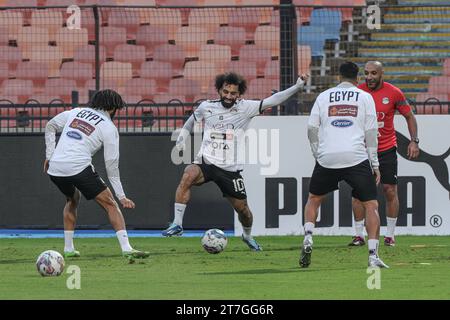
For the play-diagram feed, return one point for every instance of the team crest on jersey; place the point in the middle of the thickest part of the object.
(385, 100)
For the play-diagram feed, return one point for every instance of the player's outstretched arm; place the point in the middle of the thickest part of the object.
(185, 132)
(55, 125)
(280, 97)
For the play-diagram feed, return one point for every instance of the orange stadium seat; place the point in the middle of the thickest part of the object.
(48, 54)
(220, 55)
(264, 13)
(203, 72)
(160, 71)
(12, 56)
(268, 37)
(52, 20)
(235, 37)
(4, 35)
(146, 88)
(437, 108)
(4, 70)
(168, 19)
(30, 37)
(245, 68)
(209, 18)
(261, 88)
(128, 19)
(78, 71)
(69, 40)
(272, 70)
(17, 87)
(151, 36)
(120, 72)
(60, 87)
(13, 21)
(88, 22)
(104, 84)
(87, 54)
(247, 18)
(110, 37)
(171, 53)
(184, 87)
(130, 53)
(35, 71)
(253, 53)
(191, 38)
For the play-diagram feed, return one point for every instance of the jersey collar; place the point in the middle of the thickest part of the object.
(345, 84)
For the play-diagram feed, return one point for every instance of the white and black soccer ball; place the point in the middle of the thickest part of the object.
(50, 263)
(214, 241)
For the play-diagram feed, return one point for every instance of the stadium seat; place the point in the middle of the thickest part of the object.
(30, 37)
(52, 20)
(4, 70)
(87, 16)
(134, 54)
(253, 53)
(272, 70)
(303, 15)
(234, 37)
(440, 107)
(220, 55)
(12, 56)
(263, 13)
(123, 18)
(247, 18)
(104, 84)
(171, 53)
(304, 59)
(275, 18)
(208, 3)
(87, 54)
(245, 68)
(120, 72)
(110, 37)
(4, 35)
(146, 88)
(35, 71)
(180, 3)
(69, 40)
(209, 18)
(60, 87)
(261, 88)
(13, 21)
(268, 37)
(17, 87)
(48, 54)
(151, 36)
(168, 19)
(191, 39)
(160, 71)
(131, 98)
(203, 72)
(184, 87)
(439, 85)
(144, 13)
(78, 71)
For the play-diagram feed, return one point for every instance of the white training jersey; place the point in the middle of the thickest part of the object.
(224, 132)
(343, 114)
(84, 132)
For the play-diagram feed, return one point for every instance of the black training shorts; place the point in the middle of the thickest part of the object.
(359, 177)
(388, 166)
(87, 181)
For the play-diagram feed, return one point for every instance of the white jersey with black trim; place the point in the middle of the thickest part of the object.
(84, 132)
(224, 132)
(343, 114)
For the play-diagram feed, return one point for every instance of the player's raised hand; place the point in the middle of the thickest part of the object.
(127, 203)
(304, 77)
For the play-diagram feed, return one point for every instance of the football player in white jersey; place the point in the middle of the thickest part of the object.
(342, 131)
(69, 165)
(225, 121)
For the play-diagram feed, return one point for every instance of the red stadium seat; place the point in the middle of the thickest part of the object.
(209, 18)
(272, 70)
(138, 86)
(78, 71)
(184, 87)
(120, 72)
(252, 53)
(261, 88)
(438, 108)
(87, 54)
(232, 36)
(130, 53)
(171, 53)
(160, 71)
(220, 55)
(16, 87)
(247, 69)
(110, 37)
(69, 40)
(268, 37)
(203, 72)
(126, 18)
(35, 71)
(151, 36)
(12, 56)
(13, 21)
(48, 54)
(60, 87)
(191, 39)
(52, 20)
(30, 37)
(168, 19)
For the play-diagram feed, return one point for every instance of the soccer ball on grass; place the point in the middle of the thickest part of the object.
(50, 263)
(214, 241)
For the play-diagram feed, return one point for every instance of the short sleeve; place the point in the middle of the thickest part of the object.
(401, 104)
(252, 108)
(199, 112)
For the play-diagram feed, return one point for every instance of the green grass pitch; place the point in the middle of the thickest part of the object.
(180, 269)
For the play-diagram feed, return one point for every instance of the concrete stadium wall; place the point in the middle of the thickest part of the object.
(28, 199)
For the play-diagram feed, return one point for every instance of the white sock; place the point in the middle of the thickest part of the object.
(391, 222)
(122, 236)
(309, 227)
(247, 232)
(179, 213)
(373, 247)
(359, 228)
(68, 241)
